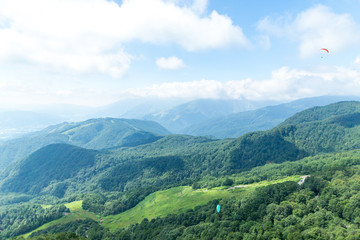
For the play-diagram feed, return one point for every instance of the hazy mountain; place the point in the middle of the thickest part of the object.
(178, 118)
(17, 123)
(93, 134)
(134, 108)
(235, 125)
(68, 112)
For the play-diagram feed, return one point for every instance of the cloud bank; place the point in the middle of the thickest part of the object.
(86, 36)
(284, 84)
(315, 28)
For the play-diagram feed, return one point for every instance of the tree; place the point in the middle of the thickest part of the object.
(228, 182)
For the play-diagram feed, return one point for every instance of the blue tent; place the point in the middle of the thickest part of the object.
(218, 208)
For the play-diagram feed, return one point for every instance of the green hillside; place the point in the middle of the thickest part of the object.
(159, 204)
(325, 129)
(272, 206)
(116, 183)
(93, 134)
(178, 200)
(322, 113)
(76, 213)
(61, 169)
(53, 162)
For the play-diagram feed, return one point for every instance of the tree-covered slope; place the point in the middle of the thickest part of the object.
(331, 128)
(93, 134)
(23, 218)
(338, 167)
(321, 113)
(325, 206)
(55, 162)
(58, 169)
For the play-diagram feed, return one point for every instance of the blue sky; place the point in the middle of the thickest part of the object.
(94, 52)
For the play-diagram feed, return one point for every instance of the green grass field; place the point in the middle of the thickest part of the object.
(177, 200)
(159, 204)
(162, 203)
(76, 213)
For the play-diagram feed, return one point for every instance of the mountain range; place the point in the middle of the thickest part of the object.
(177, 119)
(120, 165)
(93, 134)
(236, 124)
(175, 158)
(203, 117)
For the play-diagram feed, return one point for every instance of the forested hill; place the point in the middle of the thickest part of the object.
(343, 109)
(331, 128)
(93, 134)
(178, 159)
(54, 162)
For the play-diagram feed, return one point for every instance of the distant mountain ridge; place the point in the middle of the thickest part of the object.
(178, 118)
(93, 134)
(220, 118)
(237, 124)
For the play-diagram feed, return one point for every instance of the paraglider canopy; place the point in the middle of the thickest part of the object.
(324, 52)
(324, 49)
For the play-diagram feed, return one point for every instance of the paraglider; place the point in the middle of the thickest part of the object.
(218, 208)
(324, 49)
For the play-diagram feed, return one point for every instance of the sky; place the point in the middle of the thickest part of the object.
(95, 52)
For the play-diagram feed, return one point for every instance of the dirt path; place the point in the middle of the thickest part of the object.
(238, 186)
(303, 179)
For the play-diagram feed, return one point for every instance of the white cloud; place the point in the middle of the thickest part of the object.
(315, 28)
(199, 6)
(89, 35)
(171, 63)
(357, 61)
(285, 84)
